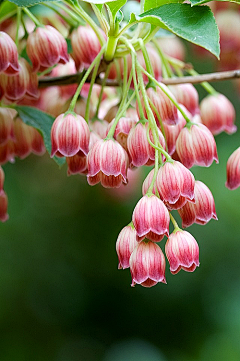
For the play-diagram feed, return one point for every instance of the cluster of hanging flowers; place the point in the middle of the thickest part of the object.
(104, 136)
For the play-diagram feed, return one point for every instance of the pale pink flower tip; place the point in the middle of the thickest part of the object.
(233, 170)
(147, 264)
(151, 218)
(126, 242)
(69, 135)
(107, 163)
(182, 252)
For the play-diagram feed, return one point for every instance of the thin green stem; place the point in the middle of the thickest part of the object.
(146, 57)
(159, 148)
(76, 7)
(75, 97)
(72, 14)
(32, 17)
(174, 222)
(168, 94)
(140, 108)
(150, 189)
(168, 70)
(46, 71)
(94, 75)
(67, 20)
(101, 18)
(160, 120)
(209, 88)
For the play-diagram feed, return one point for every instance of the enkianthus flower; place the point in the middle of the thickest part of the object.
(69, 135)
(186, 95)
(151, 218)
(126, 242)
(6, 125)
(202, 211)
(233, 170)
(107, 164)
(196, 145)
(182, 252)
(8, 55)
(218, 114)
(46, 47)
(147, 264)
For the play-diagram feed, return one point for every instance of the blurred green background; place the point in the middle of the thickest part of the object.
(62, 296)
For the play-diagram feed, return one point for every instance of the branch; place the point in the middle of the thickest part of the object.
(76, 78)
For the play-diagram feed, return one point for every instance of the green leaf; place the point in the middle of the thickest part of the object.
(115, 6)
(195, 24)
(131, 7)
(27, 3)
(42, 122)
(199, 2)
(6, 8)
(151, 4)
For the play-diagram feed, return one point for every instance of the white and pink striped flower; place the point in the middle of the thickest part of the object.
(196, 145)
(8, 55)
(202, 211)
(126, 242)
(151, 218)
(182, 252)
(233, 170)
(107, 163)
(147, 264)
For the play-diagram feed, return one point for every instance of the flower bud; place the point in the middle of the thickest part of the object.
(8, 55)
(46, 47)
(186, 95)
(141, 152)
(151, 219)
(218, 114)
(85, 45)
(182, 252)
(196, 145)
(69, 135)
(233, 170)
(107, 163)
(126, 242)
(175, 182)
(147, 264)
(202, 211)
(66, 91)
(3, 207)
(24, 83)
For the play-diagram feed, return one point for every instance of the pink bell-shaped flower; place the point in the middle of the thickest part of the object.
(172, 132)
(147, 264)
(151, 218)
(69, 135)
(182, 252)
(233, 170)
(124, 125)
(196, 145)
(175, 183)
(218, 114)
(6, 125)
(126, 242)
(8, 55)
(46, 47)
(107, 163)
(186, 95)
(202, 211)
(165, 107)
(141, 152)
(23, 83)
(85, 45)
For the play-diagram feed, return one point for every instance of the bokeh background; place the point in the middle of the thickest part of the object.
(62, 297)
